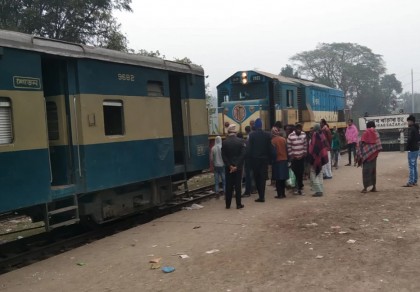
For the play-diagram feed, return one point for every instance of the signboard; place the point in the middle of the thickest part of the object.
(385, 122)
(26, 82)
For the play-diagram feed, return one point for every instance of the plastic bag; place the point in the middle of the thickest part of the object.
(291, 182)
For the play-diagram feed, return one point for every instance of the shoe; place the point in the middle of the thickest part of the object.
(254, 192)
(327, 177)
(348, 164)
(414, 184)
(245, 195)
(295, 192)
(260, 200)
(227, 207)
(317, 195)
(407, 185)
(300, 192)
(240, 206)
(280, 197)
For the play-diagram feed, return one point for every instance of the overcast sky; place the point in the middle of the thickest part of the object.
(231, 35)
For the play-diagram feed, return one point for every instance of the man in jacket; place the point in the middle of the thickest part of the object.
(297, 147)
(260, 151)
(233, 154)
(352, 135)
(413, 150)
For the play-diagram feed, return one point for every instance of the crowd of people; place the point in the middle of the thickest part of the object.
(294, 154)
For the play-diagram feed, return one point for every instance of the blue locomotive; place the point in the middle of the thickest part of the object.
(248, 95)
(92, 133)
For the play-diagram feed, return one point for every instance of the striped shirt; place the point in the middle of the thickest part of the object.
(297, 145)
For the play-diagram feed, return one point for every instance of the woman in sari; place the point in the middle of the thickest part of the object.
(369, 148)
(318, 156)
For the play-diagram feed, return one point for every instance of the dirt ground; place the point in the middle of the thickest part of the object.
(297, 244)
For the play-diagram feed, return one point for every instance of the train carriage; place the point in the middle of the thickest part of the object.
(248, 95)
(87, 131)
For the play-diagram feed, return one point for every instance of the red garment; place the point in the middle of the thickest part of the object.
(369, 146)
(369, 136)
(318, 151)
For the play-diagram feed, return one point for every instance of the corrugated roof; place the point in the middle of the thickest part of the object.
(293, 80)
(278, 77)
(23, 41)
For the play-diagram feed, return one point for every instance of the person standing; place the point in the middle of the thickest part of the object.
(218, 165)
(249, 179)
(326, 169)
(368, 151)
(297, 149)
(413, 150)
(318, 157)
(352, 134)
(335, 147)
(260, 151)
(280, 163)
(233, 154)
(278, 125)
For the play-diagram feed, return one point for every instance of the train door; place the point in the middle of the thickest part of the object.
(175, 92)
(55, 84)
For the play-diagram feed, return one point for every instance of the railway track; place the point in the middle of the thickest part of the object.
(25, 251)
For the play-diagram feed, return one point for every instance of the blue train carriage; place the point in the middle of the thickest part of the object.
(248, 95)
(318, 101)
(92, 133)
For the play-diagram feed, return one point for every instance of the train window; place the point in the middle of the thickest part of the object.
(52, 120)
(113, 117)
(289, 94)
(6, 131)
(154, 88)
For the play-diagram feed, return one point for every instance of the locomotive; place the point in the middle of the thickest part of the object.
(252, 94)
(87, 132)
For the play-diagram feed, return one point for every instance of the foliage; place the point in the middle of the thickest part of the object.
(86, 22)
(288, 71)
(356, 70)
(406, 102)
(144, 52)
(184, 60)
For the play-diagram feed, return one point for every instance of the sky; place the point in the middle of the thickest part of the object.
(232, 35)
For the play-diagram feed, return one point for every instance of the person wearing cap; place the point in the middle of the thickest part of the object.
(297, 148)
(413, 151)
(233, 154)
(218, 165)
(367, 153)
(260, 153)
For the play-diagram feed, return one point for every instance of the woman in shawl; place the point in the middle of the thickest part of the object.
(369, 148)
(318, 156)
(280, 164)
(218, 165)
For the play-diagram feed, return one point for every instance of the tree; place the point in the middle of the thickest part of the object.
(406, 105)
(86, 22)
(288, 71)
(353, 68)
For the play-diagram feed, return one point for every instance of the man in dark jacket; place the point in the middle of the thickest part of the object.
(413, 150)
(260, 151)
(233, 154)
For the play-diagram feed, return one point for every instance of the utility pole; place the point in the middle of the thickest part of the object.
(412, 92)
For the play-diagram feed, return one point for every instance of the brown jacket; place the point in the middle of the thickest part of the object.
(281, 148)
